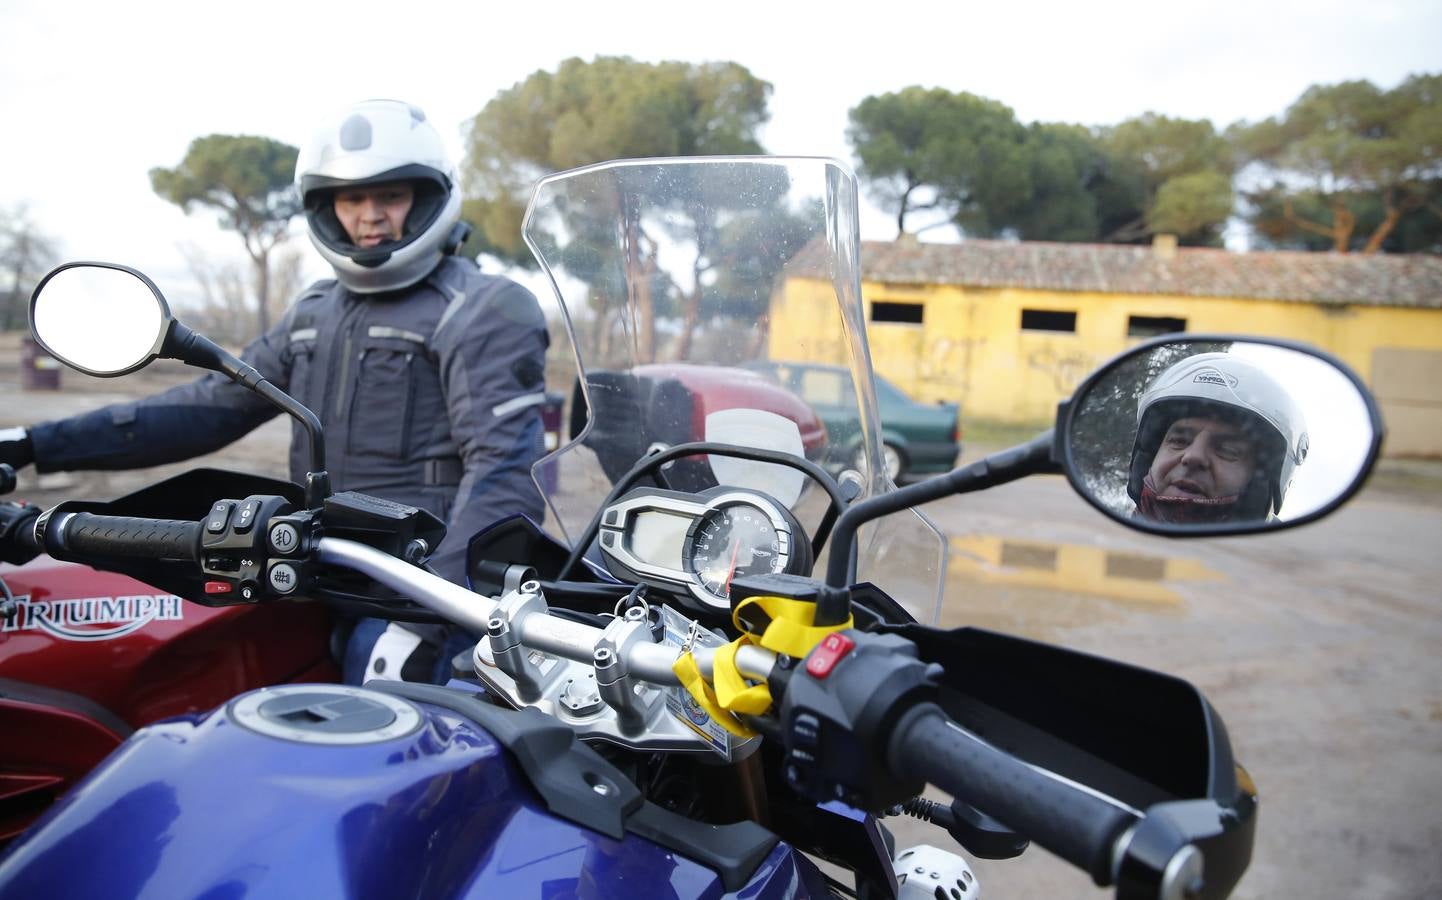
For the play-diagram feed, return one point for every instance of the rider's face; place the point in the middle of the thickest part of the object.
(1201, 457)
(375, 212)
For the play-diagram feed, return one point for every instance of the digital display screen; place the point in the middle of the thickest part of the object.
(657, 538)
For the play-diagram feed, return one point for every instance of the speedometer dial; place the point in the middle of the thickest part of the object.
(733, 540)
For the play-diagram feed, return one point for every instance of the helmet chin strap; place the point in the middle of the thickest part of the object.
(1184, 510)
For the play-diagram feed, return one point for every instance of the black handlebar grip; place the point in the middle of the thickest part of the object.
(1067, 819)
(125, 536)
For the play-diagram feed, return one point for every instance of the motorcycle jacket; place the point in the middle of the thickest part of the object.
(429, 396)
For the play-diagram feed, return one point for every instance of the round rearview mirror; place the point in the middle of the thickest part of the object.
(1219, 435)
(100, 318)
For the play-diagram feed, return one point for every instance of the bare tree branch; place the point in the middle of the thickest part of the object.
(1306, 224)
(1131, 231)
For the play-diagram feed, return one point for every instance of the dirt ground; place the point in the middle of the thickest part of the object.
(1318, 646)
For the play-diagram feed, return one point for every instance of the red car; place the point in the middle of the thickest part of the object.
(715, 388)
(670, 402)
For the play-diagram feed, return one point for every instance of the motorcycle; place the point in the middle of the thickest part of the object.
(87, 657)
(716, 665)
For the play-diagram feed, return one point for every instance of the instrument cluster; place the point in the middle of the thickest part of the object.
(695, 545)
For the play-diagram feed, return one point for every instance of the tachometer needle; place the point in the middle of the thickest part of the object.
(731, 566)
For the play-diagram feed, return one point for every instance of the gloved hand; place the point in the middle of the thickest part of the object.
(17, 533)
(15, 447)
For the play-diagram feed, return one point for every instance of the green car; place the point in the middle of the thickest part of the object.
(920, 438)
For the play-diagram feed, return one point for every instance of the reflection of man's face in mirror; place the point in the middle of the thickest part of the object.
(1217, 440)
(1203, 458)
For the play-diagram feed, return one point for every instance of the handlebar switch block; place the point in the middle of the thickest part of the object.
(230, 526)
(836, 726)
(234, 541)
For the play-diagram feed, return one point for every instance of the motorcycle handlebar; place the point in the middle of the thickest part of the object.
(1084, 828)
(571, 640)
(1088, 829)
(123, 536)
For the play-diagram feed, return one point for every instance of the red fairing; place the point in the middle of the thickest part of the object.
(90, 655)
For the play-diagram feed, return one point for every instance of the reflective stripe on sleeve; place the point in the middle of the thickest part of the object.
(516, 404)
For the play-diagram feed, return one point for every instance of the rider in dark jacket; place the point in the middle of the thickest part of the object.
(426, 373)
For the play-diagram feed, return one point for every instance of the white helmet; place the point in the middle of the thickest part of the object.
(370, 143)
(1213, 383)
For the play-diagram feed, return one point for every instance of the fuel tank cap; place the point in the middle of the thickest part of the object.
(324, 714)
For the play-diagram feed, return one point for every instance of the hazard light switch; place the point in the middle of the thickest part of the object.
(217, 587)
(827, 653)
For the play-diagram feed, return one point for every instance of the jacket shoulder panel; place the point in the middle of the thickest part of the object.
(475, 298)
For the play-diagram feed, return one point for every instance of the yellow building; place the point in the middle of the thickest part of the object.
(1010, 328)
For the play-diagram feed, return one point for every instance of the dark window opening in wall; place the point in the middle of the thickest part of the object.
(1047, 320)
(1151, 326)
(906, 313)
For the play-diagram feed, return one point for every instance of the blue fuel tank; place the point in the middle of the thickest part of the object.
(333, 791)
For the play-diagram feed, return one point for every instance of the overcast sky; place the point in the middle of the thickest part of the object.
(94, 94)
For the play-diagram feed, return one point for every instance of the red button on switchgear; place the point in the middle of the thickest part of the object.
(823, 659)
(217, 587)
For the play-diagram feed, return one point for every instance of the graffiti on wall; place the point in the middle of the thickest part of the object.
(946, 363)
(1066, 369)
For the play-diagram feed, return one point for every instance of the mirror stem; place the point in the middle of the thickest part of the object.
(1033, 457)
(195, 349)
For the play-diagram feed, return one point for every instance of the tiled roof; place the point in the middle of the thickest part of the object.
(1413, 280)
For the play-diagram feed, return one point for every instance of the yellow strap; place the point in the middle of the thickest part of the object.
(791, 630)
(695, 684)
(732, 691)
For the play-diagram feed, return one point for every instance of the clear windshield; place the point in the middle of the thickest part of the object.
(719, 299)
